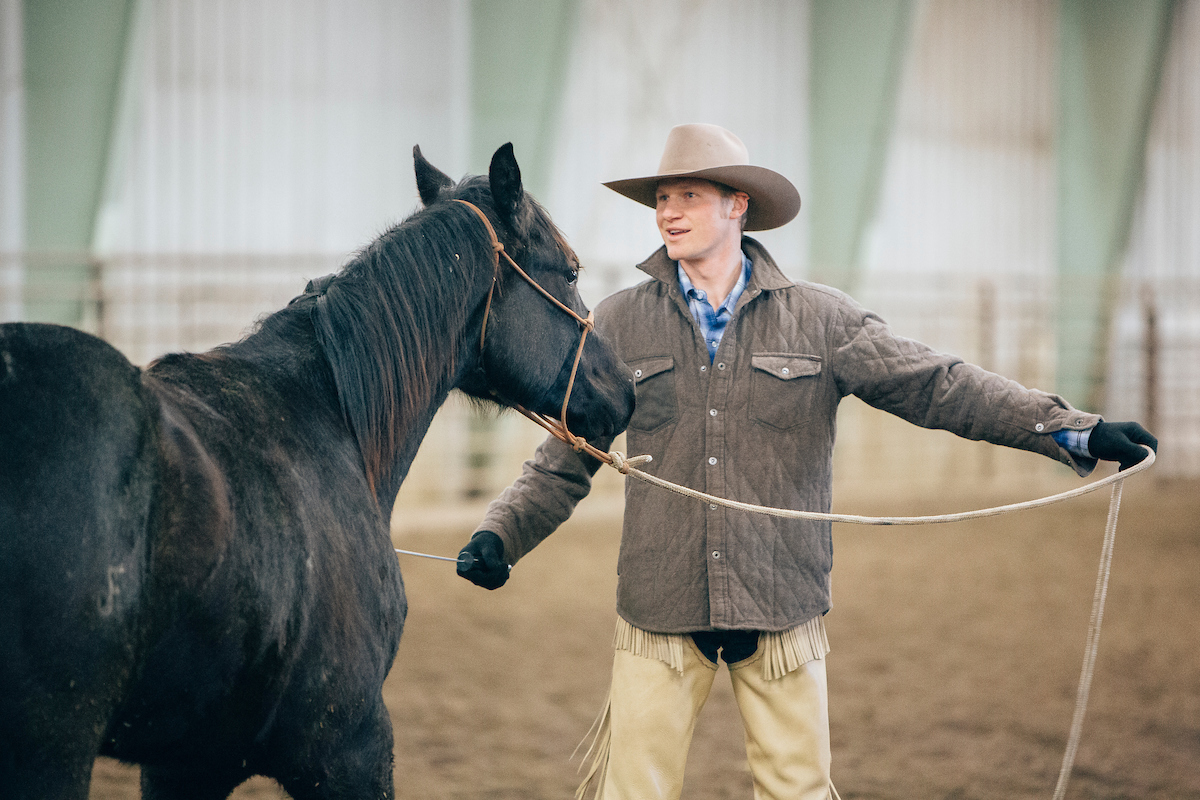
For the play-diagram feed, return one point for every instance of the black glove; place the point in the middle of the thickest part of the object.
(482, 561)
(1120, 441)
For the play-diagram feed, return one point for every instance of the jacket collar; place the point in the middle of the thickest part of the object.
(764, 273)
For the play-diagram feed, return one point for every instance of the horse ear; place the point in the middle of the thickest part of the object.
(430, 179)
(504, 176)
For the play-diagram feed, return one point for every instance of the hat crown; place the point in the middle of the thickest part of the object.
(698, 146)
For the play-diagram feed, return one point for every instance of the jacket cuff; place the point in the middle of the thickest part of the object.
(1055, 416)
(509, 545)
(1075, 420)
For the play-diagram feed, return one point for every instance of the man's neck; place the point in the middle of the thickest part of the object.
(716, 275)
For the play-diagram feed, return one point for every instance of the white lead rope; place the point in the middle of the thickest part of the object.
(1093, 641)
(627, 467)
(463, 557)
(424, 555)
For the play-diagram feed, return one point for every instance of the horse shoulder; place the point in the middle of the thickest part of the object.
(194, 499)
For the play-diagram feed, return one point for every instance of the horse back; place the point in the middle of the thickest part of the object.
(272, 580)
(77, 463)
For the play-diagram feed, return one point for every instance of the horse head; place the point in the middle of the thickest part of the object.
(528, 347)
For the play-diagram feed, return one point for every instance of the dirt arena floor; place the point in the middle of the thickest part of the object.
(956, 655)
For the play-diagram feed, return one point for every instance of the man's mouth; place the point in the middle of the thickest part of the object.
(676, 231)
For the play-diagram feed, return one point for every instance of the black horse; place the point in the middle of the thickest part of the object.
(196, 573)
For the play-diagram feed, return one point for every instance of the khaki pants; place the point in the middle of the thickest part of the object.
(653, 710)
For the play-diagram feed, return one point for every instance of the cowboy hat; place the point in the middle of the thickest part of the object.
(711, 153)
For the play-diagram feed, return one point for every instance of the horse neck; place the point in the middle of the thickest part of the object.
(415, 424)
(397, 333)
(402, 463)
(285, 353)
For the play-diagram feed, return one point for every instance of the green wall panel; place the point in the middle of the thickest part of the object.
(518, 73)
(1111, 55)
(857, 52)
(73, 55)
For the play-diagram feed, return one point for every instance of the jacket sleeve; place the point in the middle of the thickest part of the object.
(938, 390)
(551, 484)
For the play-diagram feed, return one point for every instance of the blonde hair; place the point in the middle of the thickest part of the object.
(728, 192)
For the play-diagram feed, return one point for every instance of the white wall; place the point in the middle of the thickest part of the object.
(636, 70)
(282, 125)
(259, 143)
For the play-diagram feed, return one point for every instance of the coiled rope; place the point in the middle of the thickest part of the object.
(627, 466)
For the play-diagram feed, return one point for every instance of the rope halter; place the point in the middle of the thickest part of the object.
(557, 427)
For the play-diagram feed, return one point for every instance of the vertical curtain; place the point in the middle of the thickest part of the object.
(1157, 316)
(73, 54)
(1111, 55)
(12, 160)
(519, 52)
(856, 49)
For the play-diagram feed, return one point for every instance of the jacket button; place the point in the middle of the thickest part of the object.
(720, 366)
(637, 373)
(712, 412)
(1039, 427)
(784, 370)
(713, 506)
(704, 367)
(716, 553)
(712, 460)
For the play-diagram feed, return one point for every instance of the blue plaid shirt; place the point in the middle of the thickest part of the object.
(712, 321)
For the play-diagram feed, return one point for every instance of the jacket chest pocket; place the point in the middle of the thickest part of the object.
(654, 381)
(783, 388)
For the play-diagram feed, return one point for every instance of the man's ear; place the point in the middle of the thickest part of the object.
(430, 179)
(741, 205)
(504, 176)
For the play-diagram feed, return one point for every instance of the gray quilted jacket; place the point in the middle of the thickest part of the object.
(756, 424)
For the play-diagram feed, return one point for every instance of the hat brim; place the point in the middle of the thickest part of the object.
(774, 201)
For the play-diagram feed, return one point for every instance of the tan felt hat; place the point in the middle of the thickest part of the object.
(700, 150)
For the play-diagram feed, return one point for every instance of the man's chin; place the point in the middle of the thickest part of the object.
(675, 251)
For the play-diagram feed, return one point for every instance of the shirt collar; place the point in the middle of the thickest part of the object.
(689, 290)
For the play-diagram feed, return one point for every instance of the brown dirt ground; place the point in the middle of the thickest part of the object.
(956, 654)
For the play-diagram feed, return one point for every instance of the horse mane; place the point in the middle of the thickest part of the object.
(391, 322)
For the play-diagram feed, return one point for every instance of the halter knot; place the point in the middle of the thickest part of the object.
(623, 463)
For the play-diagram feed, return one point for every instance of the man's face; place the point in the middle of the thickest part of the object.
(694, 219)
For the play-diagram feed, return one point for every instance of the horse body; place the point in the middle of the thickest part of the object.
(196, 572)
(278, 604)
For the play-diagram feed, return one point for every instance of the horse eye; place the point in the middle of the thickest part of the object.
(574, 277)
